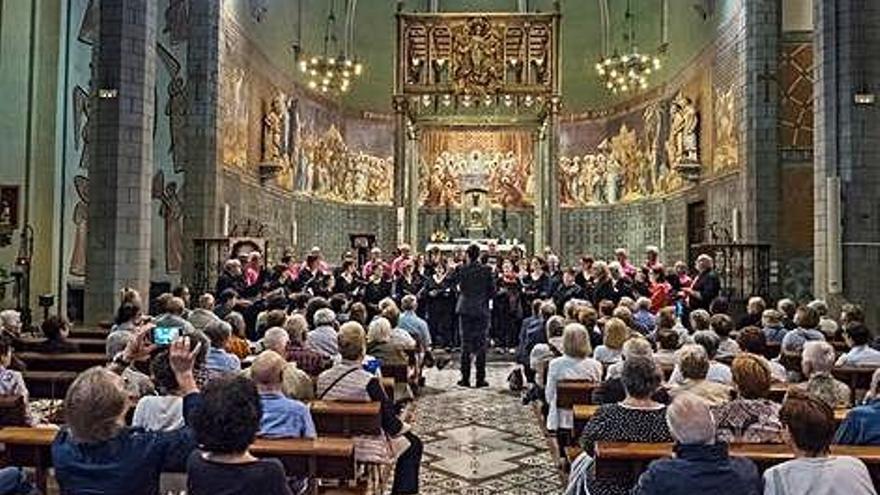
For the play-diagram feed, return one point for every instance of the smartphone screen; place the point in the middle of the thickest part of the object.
(165, 335)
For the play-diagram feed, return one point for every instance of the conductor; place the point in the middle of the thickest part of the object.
(476, 288)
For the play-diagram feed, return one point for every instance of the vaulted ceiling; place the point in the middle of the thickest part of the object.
(692, 24)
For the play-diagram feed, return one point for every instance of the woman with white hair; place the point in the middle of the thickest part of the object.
(380, 344)
(574, 364)
(817, 363)
(700, 464)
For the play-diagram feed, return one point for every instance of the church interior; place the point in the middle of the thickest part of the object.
(257, 246)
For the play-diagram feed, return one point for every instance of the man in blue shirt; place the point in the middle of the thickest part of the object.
(862, 423)
(282, 417)
(218, 361)
(413, 323)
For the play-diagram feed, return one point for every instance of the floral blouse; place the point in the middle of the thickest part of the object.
(748, 421)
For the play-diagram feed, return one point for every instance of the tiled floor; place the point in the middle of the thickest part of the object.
(481, 441)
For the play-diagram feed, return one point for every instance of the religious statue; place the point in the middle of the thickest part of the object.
(726, 137)
(77, 264)
(81, 127)
(273, 131)
(682, 148)
(653, 117)
(171, 210)
(177, 21)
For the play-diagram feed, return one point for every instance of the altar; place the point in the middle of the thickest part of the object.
(454, 245)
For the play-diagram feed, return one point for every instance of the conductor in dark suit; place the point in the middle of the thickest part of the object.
(476, 288)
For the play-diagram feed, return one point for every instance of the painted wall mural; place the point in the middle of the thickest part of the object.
(505, 157)
(795, 81)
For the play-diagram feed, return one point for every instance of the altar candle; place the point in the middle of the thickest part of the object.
(226, 220)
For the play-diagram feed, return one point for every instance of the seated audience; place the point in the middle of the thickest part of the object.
(348, 381)
(204, 312)
(611, 391)
(533, 332)
(574, 364)
(282, 417)
(826, 325)
(808, 427)
(862, 423)
(172, 315)
(11, 382)
(389, 310)
(667, 344)
(807, 319)
(754, 341)
(238, 343)
(644, 319)
(818, 361)
(615, 334)
(380, 346)
(700, 464)
(162, 412)
(788, 309)
(323, 337)
(700, 320)
(638, 418)
(137, 383)
(754, 312)
(857, 336)
(56, 329)
(722, 325)
(295, 383)
(128, 318)
(312, 362)
(96, 453)
(718, 372)
(226, 424)
(774, 330)
(751, 417)
(542, 354)
(693, 364)
(218, 361)
(413, 323)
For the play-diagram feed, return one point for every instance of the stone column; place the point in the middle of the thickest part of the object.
(847, 149)
(551, 205)
(539, 227)
(400, 159)
(761, 163)
(120, 178)
(412, 174)
(202, 185)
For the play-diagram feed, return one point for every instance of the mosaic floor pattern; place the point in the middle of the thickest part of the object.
(481, 441)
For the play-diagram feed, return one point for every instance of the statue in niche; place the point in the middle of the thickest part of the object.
(653, 117)
(77, 264)
(81, 127)
(612, 171)
(177, 21)
(176, 108)
(631, 162)
(171, 210)
(88, 27)
(726, 138)
(273, 131)
(567, 177)
(682, 148)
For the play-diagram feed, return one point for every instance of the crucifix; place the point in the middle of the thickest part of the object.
(767, 77)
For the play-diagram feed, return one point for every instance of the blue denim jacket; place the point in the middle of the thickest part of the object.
(861, 426)
(129, 464)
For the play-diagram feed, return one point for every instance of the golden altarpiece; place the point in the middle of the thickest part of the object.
(476, 101)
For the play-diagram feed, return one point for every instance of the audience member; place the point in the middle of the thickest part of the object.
(808, 428)
(818, 361)
(295, 383)
(615, 334)
(751, 417)
(323, 337)
(11, 382)
(283, 417)
(788, 309)
(413, 323)
(644, 318)
(164, 411)
(56, 329)
(754, 341)
(693, 363)
(774, 330)
(857, 336)
(862, 423)
(754, 312)
(722, 325)
(806, 319)
(700, 464)
(573, 364)
(219, 361)
(204, 312)
(380, 346)
(718, 372)
(826, 325)
(238, 343)
(312, 362)
(667, 344)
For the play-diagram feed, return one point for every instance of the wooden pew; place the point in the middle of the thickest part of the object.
(86, 344)
(81, 361)
(330, 458)
(48, 384)
(88, 333)
(346, 418)
(620, 457)
(857, 377)
(572, 392)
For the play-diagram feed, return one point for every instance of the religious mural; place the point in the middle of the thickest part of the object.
(795, 81)
(726, 131)
(504, 157)
(328, 169)
(171, 212)
(234, 117)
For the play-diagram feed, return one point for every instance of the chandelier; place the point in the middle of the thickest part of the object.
(627, 72)
(333, 70)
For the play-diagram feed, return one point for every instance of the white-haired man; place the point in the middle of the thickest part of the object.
(700, 464)
(295, 383)
(705, 287)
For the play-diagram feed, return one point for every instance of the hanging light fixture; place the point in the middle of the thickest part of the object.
(627, 72)
(334, 70)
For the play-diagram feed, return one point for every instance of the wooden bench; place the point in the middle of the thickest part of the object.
(572, 392)
(618, 457)
(80, 361)
(48, 384)
(329, 458)
(346, 418)
(86, 344)
(88, 333)
(857, 377)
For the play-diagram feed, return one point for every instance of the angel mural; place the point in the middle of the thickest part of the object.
(81, 128)
(726, 138)
(176, 108)
(177, 21)
(171, 210)
(77, 265)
